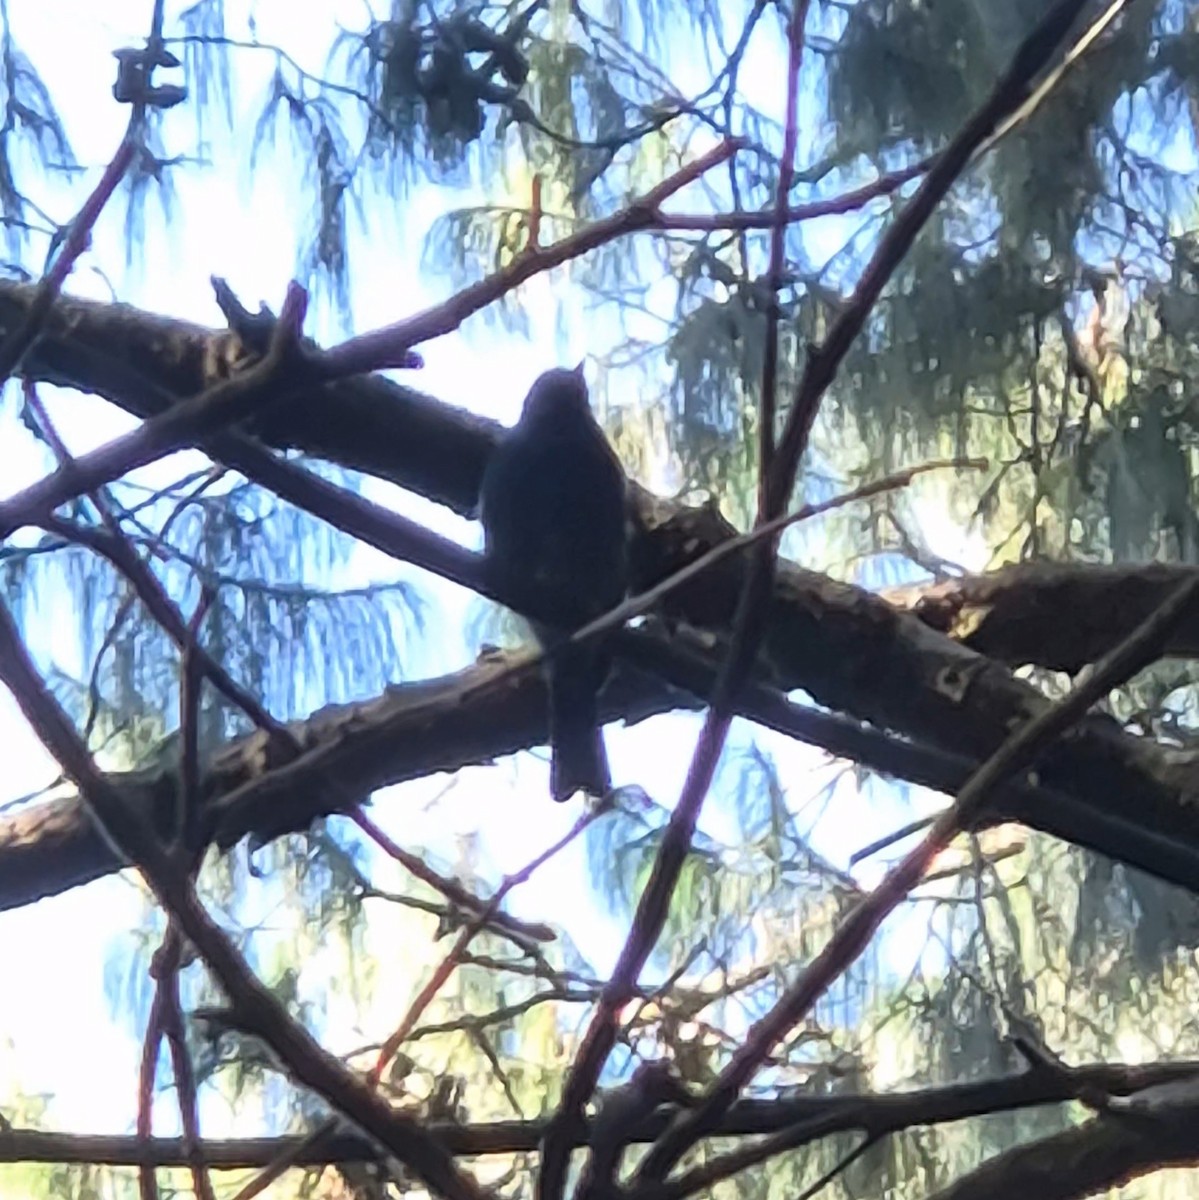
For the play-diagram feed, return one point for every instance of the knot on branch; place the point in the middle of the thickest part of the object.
(668, 539)
(135, 82)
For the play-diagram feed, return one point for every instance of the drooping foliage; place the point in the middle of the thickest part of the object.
(1045, 319)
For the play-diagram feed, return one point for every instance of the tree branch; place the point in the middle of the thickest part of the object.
(851, 937)
(1096, 1157)
(223, 403)
(490, 710)
(1016, 614)
(387, 347)
(254, 1008)
(870, 1112)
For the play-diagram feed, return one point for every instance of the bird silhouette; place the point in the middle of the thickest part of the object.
(553, 507)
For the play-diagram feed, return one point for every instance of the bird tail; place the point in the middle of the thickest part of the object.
(579, 759)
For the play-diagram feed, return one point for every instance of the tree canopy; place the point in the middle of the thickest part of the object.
(889, 311)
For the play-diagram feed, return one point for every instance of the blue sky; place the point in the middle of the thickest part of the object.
(242, 227)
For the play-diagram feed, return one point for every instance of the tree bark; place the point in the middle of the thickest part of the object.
(849, 649)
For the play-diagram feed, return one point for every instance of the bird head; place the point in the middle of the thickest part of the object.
(557, 394)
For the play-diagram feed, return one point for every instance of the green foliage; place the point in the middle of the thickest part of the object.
(1045, 319)
(31, 129)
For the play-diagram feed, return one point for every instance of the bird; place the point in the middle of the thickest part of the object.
(553, 505)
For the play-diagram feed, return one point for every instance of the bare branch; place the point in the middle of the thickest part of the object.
(774, 270)
(224, 403)
(1098, 1156)
(386, 347)
(869, 1113)
(16, 345)
(256, 1010)
(847, 202)
(654, 901)
(851, 937)
(1015, 614)
(1010, 92)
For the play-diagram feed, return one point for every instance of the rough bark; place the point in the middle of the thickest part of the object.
(850, 650)
(1056, 615)
(1096, 1157)
(873, 1113)
(410, 731)
(142, 362)
(488, 710)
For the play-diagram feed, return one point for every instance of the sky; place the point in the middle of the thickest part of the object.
(240, 224)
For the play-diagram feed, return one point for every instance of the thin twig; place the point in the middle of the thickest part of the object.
(18, 343)
(120, 552)
(1012, 91)
(643, 602)
(412, 542)
(253, 1007)
(465, 936)
(190, 692)
(188, 421)
(889, 839)
(870, 1112)
(451, 889)
(846, 202)
(892, 181)
(147, 1180)
(289, 1155)
(850, 938)
(819, 371)
(386, 347)
(654, 903)
(26, 334)
(166, 972)
(768, 396)
(310, 1144)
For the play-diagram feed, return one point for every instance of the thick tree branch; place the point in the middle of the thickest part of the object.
(847, 648)
(224, 402)
(145, 364)
(1096, 1157)
(874, 1113)
(1056, 615)
(778, 471)
(411, 731)
(852, 652)
(252, 1007)
(1021, 750)
(490, 710)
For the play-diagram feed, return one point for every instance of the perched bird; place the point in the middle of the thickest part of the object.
(552, 503)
